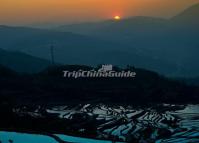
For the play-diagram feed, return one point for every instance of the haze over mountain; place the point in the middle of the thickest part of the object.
(173, 40)
(21, 62)
(188, 16)
(72, 48)
(168, 46)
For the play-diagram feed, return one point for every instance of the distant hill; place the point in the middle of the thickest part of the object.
(125, 26)
(21, 62)
(172, 40)
(188, 16)
(72, 48)
(168, 46)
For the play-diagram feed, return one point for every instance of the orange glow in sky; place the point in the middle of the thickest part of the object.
(40, 11)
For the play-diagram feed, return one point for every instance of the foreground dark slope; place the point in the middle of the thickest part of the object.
(129, 110)
(21, 62)
(49, 87)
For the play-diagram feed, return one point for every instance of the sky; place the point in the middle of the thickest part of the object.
(22, 12)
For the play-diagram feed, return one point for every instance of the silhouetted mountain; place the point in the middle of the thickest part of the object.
(48, 104)
(188, 16)
(69, 48)
(50, 86)
(125, 26)
(76, 49)
(168, 46)
(6, 72)
(21, 62)
(172, 40)
(189, 81)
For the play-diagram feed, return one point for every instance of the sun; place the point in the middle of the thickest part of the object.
(117, 17)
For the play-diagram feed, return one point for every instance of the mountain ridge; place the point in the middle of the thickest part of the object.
(163, 45)
(21, 62)
(173, 40)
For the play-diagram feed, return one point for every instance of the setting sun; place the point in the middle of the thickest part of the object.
(117, 17)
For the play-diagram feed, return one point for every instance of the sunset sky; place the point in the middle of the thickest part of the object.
(21, 12)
